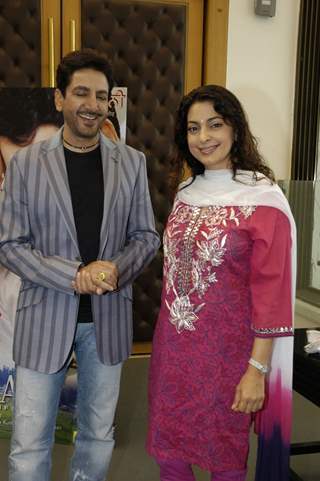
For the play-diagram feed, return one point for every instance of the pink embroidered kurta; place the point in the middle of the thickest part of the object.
(227, 279)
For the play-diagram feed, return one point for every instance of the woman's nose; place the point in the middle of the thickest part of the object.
(203, 134)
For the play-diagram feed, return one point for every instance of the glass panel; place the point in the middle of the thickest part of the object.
(304, 199)
(318, 149)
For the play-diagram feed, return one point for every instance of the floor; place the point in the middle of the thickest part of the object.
(130, 461)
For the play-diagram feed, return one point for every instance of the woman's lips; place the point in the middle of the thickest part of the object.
(208, 150)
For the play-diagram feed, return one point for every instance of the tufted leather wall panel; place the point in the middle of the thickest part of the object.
(145, 42)
(20, 43)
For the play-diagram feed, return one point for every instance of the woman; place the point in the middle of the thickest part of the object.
(225, 323)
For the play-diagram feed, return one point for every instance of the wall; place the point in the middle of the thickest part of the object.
(261, 72)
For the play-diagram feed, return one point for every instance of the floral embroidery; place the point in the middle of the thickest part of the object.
(209, 249)
(183, 313)
(247, 210)
(170, 243)
(194, 270)
(217, 216)
(182, 213)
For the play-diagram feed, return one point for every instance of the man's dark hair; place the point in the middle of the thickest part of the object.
(78, 60)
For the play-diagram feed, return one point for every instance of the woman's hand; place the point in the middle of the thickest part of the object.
(250, 392)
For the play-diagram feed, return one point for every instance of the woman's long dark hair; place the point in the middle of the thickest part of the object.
(244, 153)
(23, 110)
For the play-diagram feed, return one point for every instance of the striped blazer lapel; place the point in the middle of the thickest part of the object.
(55, 166)
(111, 158)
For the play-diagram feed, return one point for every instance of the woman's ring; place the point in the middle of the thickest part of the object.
(101, 276)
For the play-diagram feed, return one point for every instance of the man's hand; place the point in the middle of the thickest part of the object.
(97, 277)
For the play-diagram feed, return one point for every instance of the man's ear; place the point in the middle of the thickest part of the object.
(58, 100)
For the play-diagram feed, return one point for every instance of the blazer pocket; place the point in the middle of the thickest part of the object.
(30, 297)
(126, 292)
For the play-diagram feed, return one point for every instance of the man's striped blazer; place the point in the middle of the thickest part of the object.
(38, 242)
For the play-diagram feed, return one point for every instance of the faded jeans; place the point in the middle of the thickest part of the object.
(35, 409)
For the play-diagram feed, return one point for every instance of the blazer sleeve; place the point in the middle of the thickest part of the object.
(271, 276)
(142, 240)
(17, 251)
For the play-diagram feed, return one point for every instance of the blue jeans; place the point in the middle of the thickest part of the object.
(35, 409)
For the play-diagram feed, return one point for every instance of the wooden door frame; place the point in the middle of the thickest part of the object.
(206, 34)
(194, 34)
(207, 41)
(216, 42)
(206, 38)
(71, 27)
(50, 40)
(60, 28)
(194, 40)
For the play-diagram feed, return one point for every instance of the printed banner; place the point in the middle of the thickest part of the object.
(28, 115)
(117, 115)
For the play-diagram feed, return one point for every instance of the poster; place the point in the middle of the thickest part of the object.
(117, 114)
(28, 115)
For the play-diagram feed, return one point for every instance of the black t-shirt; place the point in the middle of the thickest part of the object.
(86, 184)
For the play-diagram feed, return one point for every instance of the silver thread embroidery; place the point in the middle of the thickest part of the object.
(195, 273)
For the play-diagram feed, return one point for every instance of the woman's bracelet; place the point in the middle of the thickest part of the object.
(261, 367)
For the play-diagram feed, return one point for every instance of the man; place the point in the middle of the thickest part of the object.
(76, 224)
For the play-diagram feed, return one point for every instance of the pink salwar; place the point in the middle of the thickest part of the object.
(175, 470)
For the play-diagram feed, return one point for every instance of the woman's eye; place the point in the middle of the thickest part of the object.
(216, 125)
(192, 130)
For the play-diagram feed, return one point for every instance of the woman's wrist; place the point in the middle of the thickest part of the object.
(258, 366)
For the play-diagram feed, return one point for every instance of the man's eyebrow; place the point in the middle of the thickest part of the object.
(80, 87)
(86, 89)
